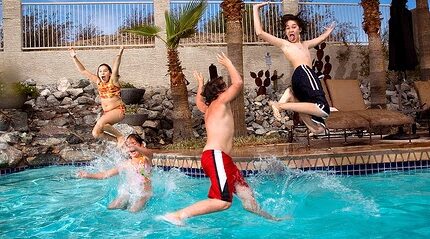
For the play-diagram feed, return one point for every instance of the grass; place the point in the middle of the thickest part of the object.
(237, 142)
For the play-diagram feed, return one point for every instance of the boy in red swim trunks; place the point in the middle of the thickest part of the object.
(225, 177)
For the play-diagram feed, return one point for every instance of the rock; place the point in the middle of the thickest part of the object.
(4, 122)
(10, 156)
(10, 137)
(75, 92)
(52, 100)
(154, 124)
(45, 92)
(63, 84)
(79, 83)
(60, 95)
(72, 154)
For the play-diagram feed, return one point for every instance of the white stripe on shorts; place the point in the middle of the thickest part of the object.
(222, 177)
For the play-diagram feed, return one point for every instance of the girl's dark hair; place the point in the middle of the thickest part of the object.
(135, 137)
(290, 17)
(212, 89)
(104, 64)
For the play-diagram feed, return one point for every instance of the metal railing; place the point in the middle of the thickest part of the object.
(51, 25)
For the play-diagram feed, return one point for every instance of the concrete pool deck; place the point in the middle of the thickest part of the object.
(356, 156)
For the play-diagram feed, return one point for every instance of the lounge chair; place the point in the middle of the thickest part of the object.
(346, 96)
(423, 91)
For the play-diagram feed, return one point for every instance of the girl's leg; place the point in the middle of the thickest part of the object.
(119, 203)
(139, 204)
(104, 129)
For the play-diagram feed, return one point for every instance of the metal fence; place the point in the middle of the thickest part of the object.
(51, 25)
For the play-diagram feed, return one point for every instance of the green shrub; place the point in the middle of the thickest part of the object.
(126, 85)
(18, 88)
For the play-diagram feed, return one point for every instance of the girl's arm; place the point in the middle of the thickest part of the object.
(316, 41)
(81, 67)
(259, 29)
(200, 103)
(100, 175)
(115, 66)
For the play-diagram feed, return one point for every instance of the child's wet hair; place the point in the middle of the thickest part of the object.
(136, 137)
(212, 89)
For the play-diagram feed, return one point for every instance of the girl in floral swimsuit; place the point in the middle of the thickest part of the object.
(109, 91)
(135, 188)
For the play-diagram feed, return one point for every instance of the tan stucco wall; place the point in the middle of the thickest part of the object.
(147, 66)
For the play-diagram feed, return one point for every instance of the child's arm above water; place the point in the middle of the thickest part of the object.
(142, 149)
(80, 67)
(100, 175)
(317, 40)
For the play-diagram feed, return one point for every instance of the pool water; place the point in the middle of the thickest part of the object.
(52, 203)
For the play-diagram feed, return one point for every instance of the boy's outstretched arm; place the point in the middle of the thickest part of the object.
(236, 80)
(259, 29)
(316, 41)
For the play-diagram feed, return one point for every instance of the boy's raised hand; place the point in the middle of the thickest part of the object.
(259, 5)
(223, 59)
(199, 77)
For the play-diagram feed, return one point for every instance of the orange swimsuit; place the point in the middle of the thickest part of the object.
(109, 90)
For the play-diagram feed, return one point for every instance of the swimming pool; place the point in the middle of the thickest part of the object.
(51, 203)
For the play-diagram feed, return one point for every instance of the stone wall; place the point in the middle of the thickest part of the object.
(56, 126)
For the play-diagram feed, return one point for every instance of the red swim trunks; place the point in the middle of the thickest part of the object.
(223, 173)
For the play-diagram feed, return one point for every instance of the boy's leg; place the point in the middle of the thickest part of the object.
(198, 208)
(288, 96)
(246, 195)
(312, 126)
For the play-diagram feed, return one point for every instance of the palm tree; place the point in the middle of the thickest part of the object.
(232, 10)
(423, 18)
(178, 25)
(372, 25)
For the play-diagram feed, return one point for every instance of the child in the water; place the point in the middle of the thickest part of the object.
(136, 189)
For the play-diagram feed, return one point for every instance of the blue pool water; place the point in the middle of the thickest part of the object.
(52, 203)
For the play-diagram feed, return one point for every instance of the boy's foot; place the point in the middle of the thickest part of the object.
(275, 110)
(170, 219)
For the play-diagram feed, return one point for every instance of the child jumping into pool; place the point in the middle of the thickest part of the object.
(225, 177)
(109, 92)
(136, 190)
(307, 96)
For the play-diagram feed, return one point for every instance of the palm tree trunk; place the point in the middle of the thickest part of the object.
(232, 10)
(182, 128)
(372, 25)
(423, 17)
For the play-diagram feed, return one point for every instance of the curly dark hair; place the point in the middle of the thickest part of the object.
(290, 17)
(212, 89)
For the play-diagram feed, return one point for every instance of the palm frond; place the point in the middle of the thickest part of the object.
(184, 23)
(144, 30)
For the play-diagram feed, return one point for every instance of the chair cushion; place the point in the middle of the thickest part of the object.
(346, 120)
(423, 91)
(384, 117)
(345, 95)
